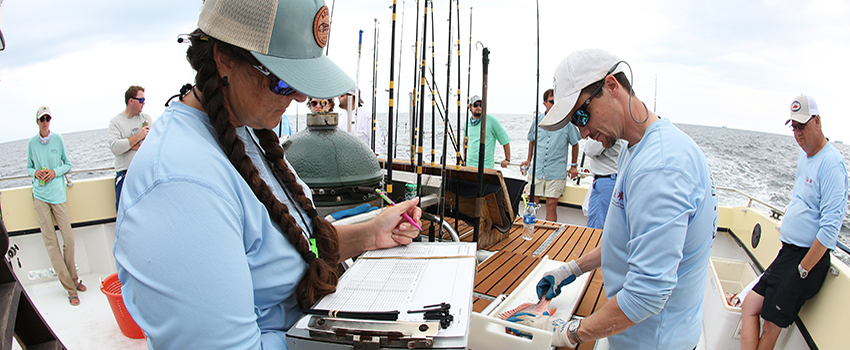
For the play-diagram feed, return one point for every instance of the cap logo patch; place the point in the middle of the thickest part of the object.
(322, 26)
(796, 106)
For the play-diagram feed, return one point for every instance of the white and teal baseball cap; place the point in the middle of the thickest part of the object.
(286, 36)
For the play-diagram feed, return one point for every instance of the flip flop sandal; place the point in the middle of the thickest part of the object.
(74, 300)
(81, 287)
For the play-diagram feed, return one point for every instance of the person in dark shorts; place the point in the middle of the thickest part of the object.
(808, 233)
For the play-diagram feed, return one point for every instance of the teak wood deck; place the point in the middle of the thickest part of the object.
(503, 272)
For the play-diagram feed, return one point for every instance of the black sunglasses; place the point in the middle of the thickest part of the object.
(141, 100)
(581, 116)
(794, 125)
(44, 118)
(551, 101)
(476, 104)
(277, 86)
(314, 103)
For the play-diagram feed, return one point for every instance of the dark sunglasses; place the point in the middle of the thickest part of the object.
(794, 125)
(551, 102)
(277, 86)
(581, 116)
(141, 100)
(476, 104)
(44, 118)
(314, 103)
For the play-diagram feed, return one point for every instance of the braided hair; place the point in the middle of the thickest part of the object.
(321, 277)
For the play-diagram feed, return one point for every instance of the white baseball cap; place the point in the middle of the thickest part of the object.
(43, 110)
(802, 109)
(574, 73)
(287, 37)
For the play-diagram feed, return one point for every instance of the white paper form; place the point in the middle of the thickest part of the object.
(409, 278)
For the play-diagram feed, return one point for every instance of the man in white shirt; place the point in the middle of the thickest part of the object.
(603, 165)
(362, 118)
(127, 131)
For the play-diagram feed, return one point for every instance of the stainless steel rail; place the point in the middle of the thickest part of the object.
(22, 177)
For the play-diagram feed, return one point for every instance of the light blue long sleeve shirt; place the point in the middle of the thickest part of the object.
(52, 156)
(818, 201)
(553, 149)
(657, 239)
(201, 262)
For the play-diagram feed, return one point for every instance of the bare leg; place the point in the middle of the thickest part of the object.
(769, 335)
(551, 209)
(750, 313)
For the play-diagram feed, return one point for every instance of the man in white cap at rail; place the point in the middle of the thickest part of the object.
(495, 132)
(47, 163)
(661, 223)
(809, 231)
(362, 117)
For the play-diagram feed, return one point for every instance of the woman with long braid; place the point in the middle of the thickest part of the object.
(218, 243)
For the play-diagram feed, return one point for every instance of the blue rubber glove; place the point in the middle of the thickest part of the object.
(552, 281)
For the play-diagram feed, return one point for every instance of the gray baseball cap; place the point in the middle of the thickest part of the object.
(286, 36)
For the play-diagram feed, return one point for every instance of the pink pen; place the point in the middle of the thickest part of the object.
(392, 204)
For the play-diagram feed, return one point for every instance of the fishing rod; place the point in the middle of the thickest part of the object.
(330, 22)
(485, 64)
(433, 87)
(390, 144)
(458, 158)
(442, 207)
(414, 130)
(421, 105)
(440, 111)
(374, 89)
(536, 110)
(394, 143)
(468, 82)
(357, 82)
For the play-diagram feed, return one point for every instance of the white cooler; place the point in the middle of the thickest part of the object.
(721, 322)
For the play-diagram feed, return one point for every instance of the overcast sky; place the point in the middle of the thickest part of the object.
(726, 63)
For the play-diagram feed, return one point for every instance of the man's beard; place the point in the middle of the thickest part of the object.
(477, 115)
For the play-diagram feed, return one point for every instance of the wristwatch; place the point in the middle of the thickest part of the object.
(803, 272)
(572, 327)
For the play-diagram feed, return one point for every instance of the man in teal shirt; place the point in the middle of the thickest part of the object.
(495, 132)
(47, 162)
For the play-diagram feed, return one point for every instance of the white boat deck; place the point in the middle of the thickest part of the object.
(79, 327)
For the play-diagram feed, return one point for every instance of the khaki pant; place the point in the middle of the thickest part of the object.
(62, 260)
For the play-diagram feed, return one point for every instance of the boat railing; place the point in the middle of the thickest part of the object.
(775, 212)
(72, 172)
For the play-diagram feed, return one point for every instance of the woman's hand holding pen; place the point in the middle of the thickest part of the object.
(392, 229)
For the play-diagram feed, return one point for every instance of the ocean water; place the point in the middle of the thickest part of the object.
(761, 165)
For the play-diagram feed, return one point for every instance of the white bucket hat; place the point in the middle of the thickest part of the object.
(286, 36)
(574, 73)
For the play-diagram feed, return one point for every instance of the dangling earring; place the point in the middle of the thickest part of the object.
(224, 81)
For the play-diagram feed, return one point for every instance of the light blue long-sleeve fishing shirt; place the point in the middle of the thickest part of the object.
(657, 240)
(819, 200)
(52, 156)
(202, 264)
